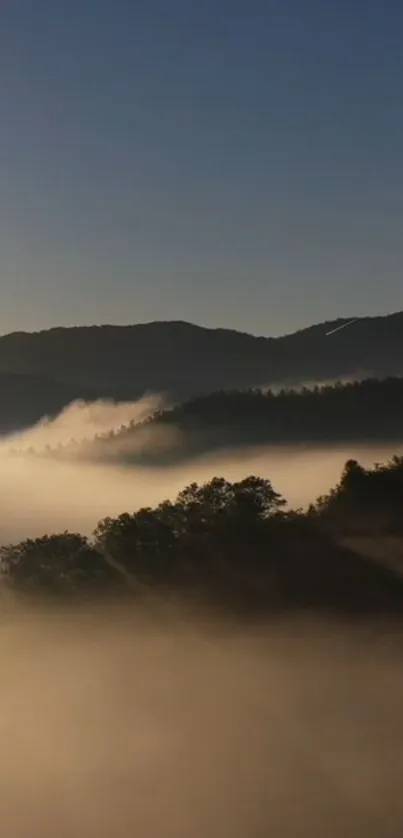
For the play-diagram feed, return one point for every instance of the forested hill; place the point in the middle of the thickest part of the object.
(370, 410)
(185, 360)
(367, 410)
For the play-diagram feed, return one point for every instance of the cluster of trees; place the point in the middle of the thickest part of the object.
(234, 542)
(175, 543)
(365, 410)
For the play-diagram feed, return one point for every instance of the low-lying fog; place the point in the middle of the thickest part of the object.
(114, 728)
(47, 495)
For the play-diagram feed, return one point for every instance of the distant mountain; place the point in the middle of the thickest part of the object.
(185, 360)
(26, 398)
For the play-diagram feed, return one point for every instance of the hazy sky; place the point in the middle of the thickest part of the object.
(228, 162)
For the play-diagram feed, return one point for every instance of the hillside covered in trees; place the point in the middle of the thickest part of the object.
(231, 544)
(184, 361)
(370, 411)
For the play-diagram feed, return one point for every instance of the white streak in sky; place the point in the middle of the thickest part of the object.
(343, 326)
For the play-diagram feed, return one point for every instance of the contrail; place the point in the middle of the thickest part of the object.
(343, 326)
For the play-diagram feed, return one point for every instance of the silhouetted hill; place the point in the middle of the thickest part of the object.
(365, 410)
(369, 410)
(184, 360)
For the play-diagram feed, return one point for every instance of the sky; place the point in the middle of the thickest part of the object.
(233, 163)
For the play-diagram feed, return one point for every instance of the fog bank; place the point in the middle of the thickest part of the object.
(84, 420)
(111, 726)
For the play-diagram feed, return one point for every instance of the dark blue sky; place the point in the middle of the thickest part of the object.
(230, 163)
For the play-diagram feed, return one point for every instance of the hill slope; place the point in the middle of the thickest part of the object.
(366, 411)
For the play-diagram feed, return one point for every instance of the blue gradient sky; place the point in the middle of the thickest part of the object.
(229, 163)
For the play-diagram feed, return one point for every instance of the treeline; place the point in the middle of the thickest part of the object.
(232, 543)
(368, 410)
(365, 410)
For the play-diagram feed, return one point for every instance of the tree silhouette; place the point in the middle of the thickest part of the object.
(229, 542)
(59, 564)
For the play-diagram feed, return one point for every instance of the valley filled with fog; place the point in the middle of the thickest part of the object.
(165, 716)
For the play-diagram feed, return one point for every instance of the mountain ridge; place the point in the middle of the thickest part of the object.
(198, 326)
(185, 360)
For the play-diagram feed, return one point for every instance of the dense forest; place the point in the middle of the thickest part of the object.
(234, 544)
(369, 410)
